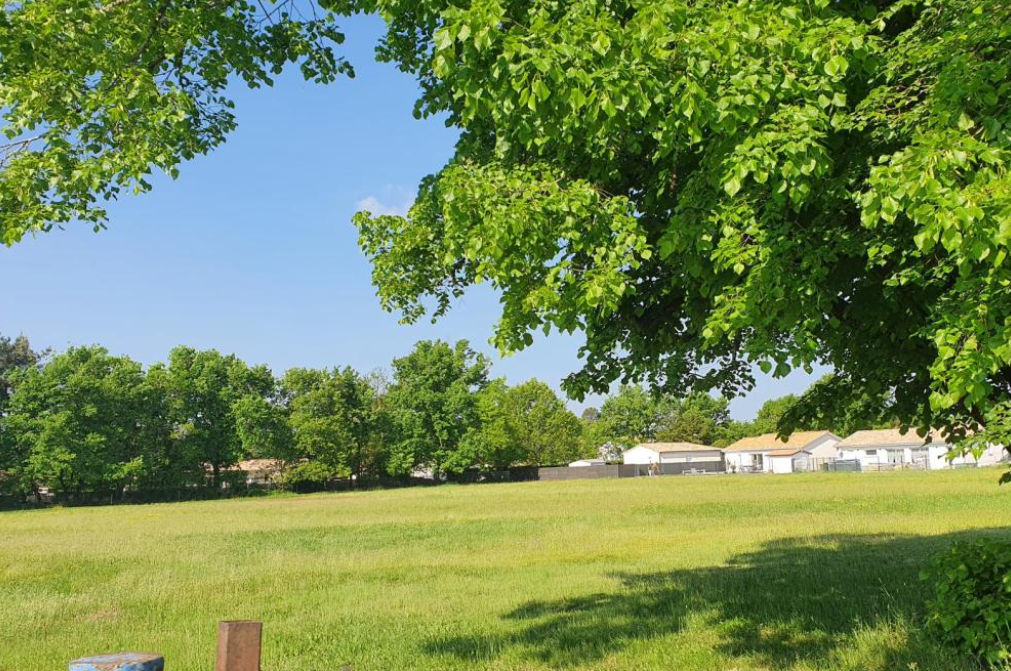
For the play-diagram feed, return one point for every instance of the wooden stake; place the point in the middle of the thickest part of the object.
(239, 645)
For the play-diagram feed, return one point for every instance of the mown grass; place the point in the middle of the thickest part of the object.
(737, 573)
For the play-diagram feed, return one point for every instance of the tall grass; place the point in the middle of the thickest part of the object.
(731, 573)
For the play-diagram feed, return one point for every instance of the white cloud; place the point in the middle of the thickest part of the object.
(396, 201)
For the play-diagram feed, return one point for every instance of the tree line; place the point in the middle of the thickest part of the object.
(85, 420)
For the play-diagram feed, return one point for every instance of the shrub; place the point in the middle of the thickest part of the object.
(971, 605)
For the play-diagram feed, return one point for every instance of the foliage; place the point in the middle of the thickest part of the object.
(332, 418)
(634, 416)
(95, 95)
(85, 421)
(631, 416)
(433, 405)
(524, 425)
(263, 427)
(203, 389)
(15, 355)
(699, 418)
(703, 187)
(971, 605)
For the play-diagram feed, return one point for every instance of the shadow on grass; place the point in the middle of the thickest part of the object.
(836, 599)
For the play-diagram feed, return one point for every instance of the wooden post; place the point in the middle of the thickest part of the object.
(120, 661)
(239, 646)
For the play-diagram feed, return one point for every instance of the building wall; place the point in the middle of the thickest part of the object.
(931, 457)
(823, 448)
(640, 455)
(743, 460)
(691, 457)
(781, 464)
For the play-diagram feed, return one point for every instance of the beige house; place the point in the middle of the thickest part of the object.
(894, 448)
(260, 471)
(768, 453)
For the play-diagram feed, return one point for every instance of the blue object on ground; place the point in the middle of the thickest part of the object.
(120, 661)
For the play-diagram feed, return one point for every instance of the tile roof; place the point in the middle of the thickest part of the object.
(259, 465)
(893, 437)
(678, 447)
(770, 441)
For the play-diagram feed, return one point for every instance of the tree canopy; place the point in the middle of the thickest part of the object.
(433, 405)
(526, 424)
(703, 187)
(95, 95)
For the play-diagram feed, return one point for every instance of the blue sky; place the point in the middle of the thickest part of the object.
(252, 250)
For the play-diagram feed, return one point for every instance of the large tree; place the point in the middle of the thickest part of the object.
(631, 416)
(205, 391)
(707, 186)
(699, 418)
(15, 355)
(432, 405)
(332, 415)
(96, 94)
(522, 425)
(86, 421)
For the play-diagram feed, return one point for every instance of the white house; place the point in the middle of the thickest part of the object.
(588, 462)
(802, 451)
(892, 447)
(676, 457)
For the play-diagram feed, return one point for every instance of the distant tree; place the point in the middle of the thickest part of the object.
(264, 427)
(433, 404)
(549, 433)
(699, 418)
(631, 416)
(203, 389)
(332, 418)
(768, 417)
(590, 414)
(527, 424)
(843, 408)
(493, 443)
(15, 355)
(86, 421)
(849, 410)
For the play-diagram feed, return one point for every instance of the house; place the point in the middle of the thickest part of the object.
(892, 448)
(676, 457)
(789, 461)
(588, 462)
(260, 471)
(802, 451)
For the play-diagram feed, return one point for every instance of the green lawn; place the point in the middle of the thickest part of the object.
(730, 573)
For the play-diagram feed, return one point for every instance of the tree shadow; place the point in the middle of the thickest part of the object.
(792, 601)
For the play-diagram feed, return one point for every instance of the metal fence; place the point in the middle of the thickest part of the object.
(693, 468)
(592, 472)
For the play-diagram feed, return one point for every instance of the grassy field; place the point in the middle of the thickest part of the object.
(675, 573)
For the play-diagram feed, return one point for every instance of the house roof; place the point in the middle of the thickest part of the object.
(889, 437)
(784, 453)
(678, 447)
(770, 441)
(259, 465)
